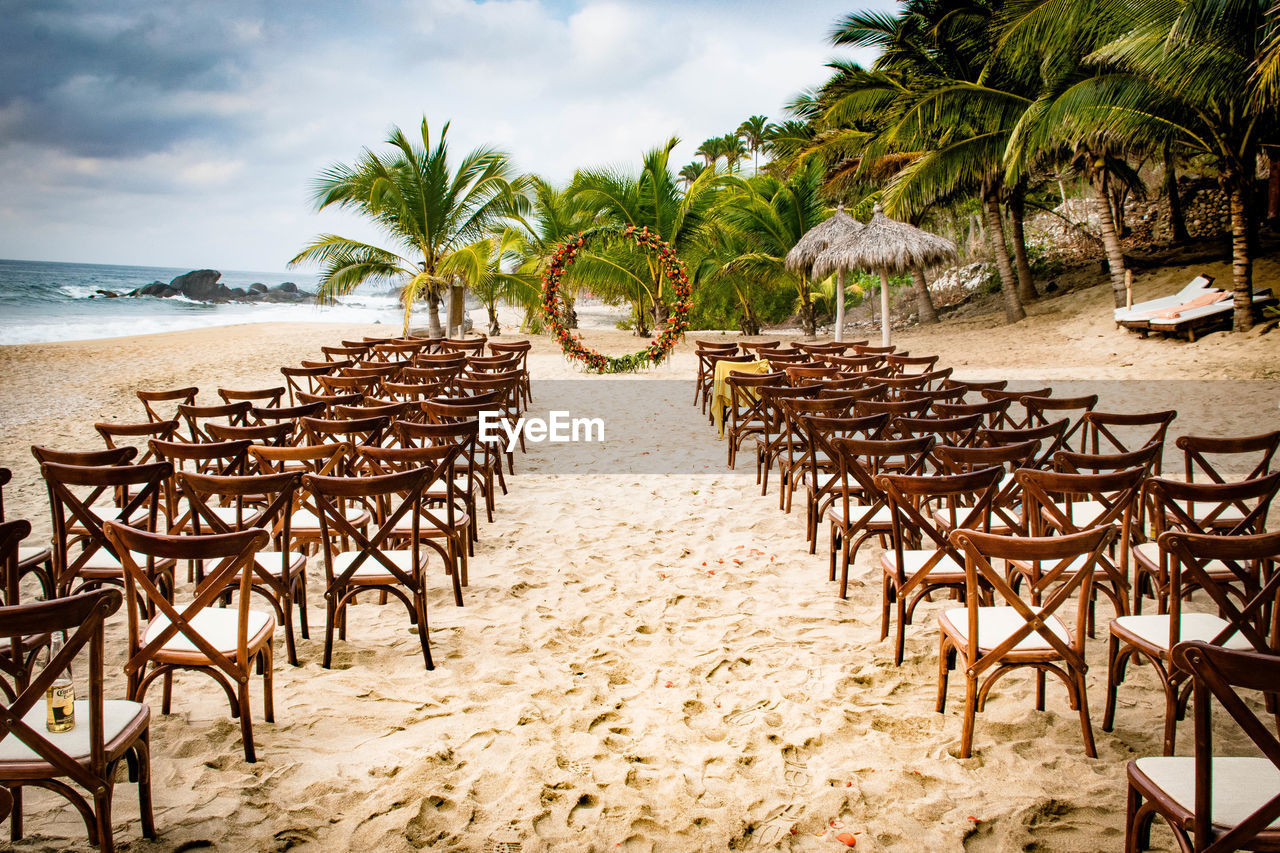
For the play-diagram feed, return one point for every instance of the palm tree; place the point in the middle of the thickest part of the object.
(425, 210)
(546, 218)
(711, 150)
(761, 218)
(480, 267)
(732, 149)
(652, 200)
(690, 173)
(751, 131)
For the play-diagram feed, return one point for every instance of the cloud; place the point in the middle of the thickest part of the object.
(191, 134)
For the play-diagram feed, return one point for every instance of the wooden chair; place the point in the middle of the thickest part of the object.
(804, 456)
(855, 363)
(922, 559)
(1213, 803)
(197, 417)
(1108, 432)
(1006, 506)
(991, 640)
(905, 364)
(821, 480)
(83, 556)
(31, 559)
(464, 345)
(1055, 503)
(1019, 417)
(328, 460)
(705, 380)
(353, 432)
(262, 398)
(746, 409)
(863, 509)
(441, 530)
(18, 652)
(222, 643)
(137, 436)
(371, 565)
(166, 400)
(957, 430)
(992, 411)
(1194, 508)
(1073, 409)
(329, 400)
(279, 434)
(261, 502)
(977, 386)
(468, 477)
(107, 731)
(1243, 621)
(345, 352)
(1049, 436)
(775, 440)
(302, 379)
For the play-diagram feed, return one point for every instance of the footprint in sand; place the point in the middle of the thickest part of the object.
(776, 826)
(505, 840)
(745, 716)
(795, 771)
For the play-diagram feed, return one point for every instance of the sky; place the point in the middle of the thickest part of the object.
(190, 134)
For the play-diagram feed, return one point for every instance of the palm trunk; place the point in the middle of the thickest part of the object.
(1013, 310)
(1241, 260)
(1017, 212)
(1273, 186)
(570, 313)
(1177, 222)
(924, 302)
(642, 319)
(433, 315)
(494, 328)
(1110, 239)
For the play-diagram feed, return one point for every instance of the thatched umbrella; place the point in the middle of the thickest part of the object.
(888, 247)
(839, 228)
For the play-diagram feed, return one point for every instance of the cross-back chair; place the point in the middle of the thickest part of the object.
(262, 397)
(163, 405)
(222, 643)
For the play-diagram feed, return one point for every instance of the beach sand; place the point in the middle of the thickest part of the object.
(648, 658)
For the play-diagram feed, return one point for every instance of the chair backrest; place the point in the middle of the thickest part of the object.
(910, 363)
(328, 459)
(965, 498)
(935, 396)
(959, 430)
(121, 455)
(162, 405)
(1106, 432)
(1065, 569)
(1073, 408)
(1223, 508)
(340, 353)
(463, 345)
(1083, 463)
(80, 618)
(893, 408)
(400, 493)
(1014, 418)
(776, 357)
(71, 509)
(1225, 675)
(991, 410)
(119, 435)
(854, 363)
(353, 432)
(302, 379)
(440, 359)
(862, 460)
(234, 552)
(287, 414)
(279, 434)
(216, 457)
(262, 397)
(977, 386)
(865, 349)
(258, 501)
(1049, 436)
(1239, 575)
(798, 374)
(1209, 457)
(236, 414)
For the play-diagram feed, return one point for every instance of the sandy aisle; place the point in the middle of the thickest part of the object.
(648, 659)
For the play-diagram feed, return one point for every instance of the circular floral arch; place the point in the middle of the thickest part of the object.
(660, 347)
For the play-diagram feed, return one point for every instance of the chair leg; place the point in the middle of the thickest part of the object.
(145, 811)
(166, 700)
(970, 715)
(900, 633)
(944, 672)
(330, 618)
(1086, 724)
(102, 817)
(15, 816)
(246, 720)
(268, 655)
(1133, 801)
(886, 603)
(1114, 677)
(1039, 689)
(420, 603)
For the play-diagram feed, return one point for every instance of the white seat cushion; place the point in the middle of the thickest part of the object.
(102, 559)
(30, 552)
(1149, 552)
(1241, 785)
(305, 519)
(218, 625)
(915, 559)
(856, 512)
(117, 715)
(1154, 628)
(1082, 513)
(371, 568)
(996, 624)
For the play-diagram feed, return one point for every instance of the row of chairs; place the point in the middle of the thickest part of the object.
(1024, 507)
(241, 496)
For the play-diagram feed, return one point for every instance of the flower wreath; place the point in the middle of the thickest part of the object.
(660, 347)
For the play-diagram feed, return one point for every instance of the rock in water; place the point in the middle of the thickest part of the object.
(257, 287)
(199, 285)
(110, 294)
(287, 287)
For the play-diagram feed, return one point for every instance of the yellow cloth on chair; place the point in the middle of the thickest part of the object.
(720, 394)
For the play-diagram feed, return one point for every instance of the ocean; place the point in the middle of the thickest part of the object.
(44, 301)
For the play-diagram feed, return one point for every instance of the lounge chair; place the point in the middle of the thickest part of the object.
(1139, 316)
(1206, 317)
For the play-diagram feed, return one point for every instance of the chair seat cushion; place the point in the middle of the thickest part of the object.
(305, 519)
(882, 516)
(103, 561)
(371, 568)
(1241, 785)
(947, 570)
(997, 624)
(33, 554)
(118, 716)
(218, 625)
(1081, 513)
(1148, 553)
(1152, 630)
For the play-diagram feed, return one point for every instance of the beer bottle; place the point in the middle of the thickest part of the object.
(60, 698)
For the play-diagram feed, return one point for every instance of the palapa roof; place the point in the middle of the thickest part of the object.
(836, 229)
(889, 245)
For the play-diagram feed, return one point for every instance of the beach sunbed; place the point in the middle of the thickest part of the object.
(1139, 316)
(1202, 318)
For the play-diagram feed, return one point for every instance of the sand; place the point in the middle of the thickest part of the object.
(648, 657)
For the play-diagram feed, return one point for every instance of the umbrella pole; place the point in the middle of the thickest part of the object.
(839, 306)
(884, 308)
